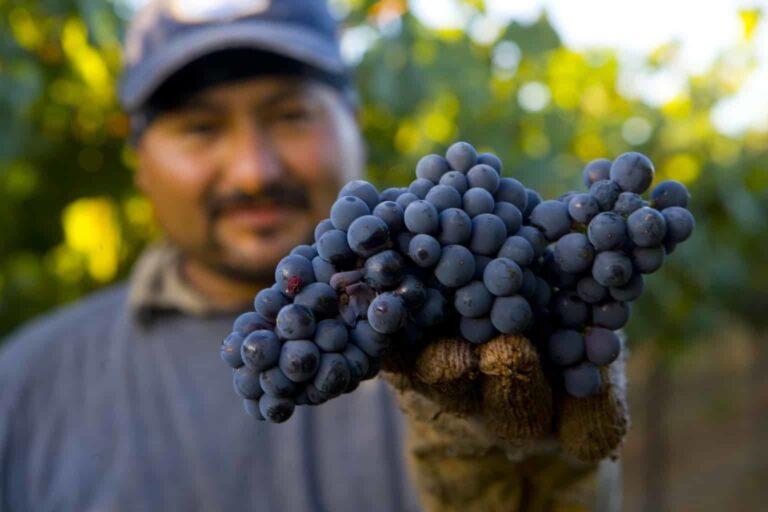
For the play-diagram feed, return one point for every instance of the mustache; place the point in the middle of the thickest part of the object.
(292, 196)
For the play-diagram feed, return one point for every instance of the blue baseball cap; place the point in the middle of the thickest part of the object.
(165, 36)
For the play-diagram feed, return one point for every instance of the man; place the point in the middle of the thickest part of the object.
(244, 126)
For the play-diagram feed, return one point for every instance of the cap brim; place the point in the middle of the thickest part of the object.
(281, 38)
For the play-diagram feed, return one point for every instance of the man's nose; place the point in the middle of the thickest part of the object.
(253, 163)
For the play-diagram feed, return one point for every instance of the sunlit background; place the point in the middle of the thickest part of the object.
(548, 86)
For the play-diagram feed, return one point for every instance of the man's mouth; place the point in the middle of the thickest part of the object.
(257, 217)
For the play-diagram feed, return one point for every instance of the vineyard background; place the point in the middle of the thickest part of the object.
(72, 222)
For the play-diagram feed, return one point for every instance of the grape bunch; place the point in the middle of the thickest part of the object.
(597, 246)
(461, 250)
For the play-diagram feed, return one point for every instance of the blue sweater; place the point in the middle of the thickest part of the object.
(102, 412)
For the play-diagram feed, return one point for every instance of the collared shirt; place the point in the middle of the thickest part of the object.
(121, 403)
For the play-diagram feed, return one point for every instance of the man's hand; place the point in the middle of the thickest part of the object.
(484, 408)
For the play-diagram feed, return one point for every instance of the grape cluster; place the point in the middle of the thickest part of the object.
(599, 244)
(460, 250)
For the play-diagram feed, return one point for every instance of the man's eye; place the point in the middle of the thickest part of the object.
(295, 115)
(201, 128)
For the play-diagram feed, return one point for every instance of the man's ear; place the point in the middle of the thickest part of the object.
(140, 173)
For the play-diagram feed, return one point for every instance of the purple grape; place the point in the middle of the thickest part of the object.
(420, 187)
(646, 227)
(456, 266)
(630, 291)
(543, 293)
(480, 263)
(421, 218)
(512, 191)
(532, 200)
(596, 170)
(304, 250)
(518, 249)
(276, 384)
(611, 315)
(456, 180)
(405, 199)
(552, 218)
(605, 192)
(582, 380)
(387, 313)
(299, 360)
(612, 268)
(670, 193)
(391, 213)
(477, 201)
(368, 235)
(590, 291)
(432, 168)
(230, 350)
(477, 330)
(455, 226)
(565, 347)
(602, 346)
(680, 224)
(260, 350)
(403, 241)
(510, 215)
(511, 315)
(412, 291)
(331, 335)
(488, 234)
(647, 260)
(246, 383)
(323, 269)
(473, 300)
(432, 312)
(583, 207)
(574, 253)
(503, 277)
(362, 190)
(384, 270)
(627, 203)
(357, 360)
(392, 193)
(491, 160)
(424, 250)
(461, 156)
(443, 197)
(483, 176)
(251, 321)
(323, 227)
(295, 322)
(333, 374)
(367, 339)
(633, 172)
(252, 409)
(293, 273)
(268, 303)
(569, 310)
(607, 231)
(276, 410)
(346, 209)
(334, 248)
(320, 298)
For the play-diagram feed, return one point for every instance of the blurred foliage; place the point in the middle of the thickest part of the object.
(72, 221)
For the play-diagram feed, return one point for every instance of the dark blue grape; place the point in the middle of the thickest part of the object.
(368, 235)
(331, 335)
(421, 217)
(252, 409)
(230, 350)
(276, 410)
(488, 234)
(304, 250)
(432, 168)
(323, 269)
(480, 263)
(680, 224)
(455, 226)
(323, 226)
(424, 250)
(630, 291)
(387, 313)
(565, 347)
(333, 375)
(405, 199)
(503, 277)
(670, 193)
(612, 268)
(477, 201)
(627, 203)
(543, 293)
(633, 172)
(535, 238)
(320, 298)
(646, 227)
(477, 330)
(583, 207)
(473, 300)
(596, 170)
(357, 361)
(491, 160)
(295, 322)
(590, 291)
(582, 380)
(461, 156)
(565, 197)
(403, 241)
(333, 247)
(647, 260)
(603, 346)
(293, 273)
(251, 321)
(512, 191)
(483, 176)
(574, 253)
(392, 193)
(384, 270)
(456, 266)
(391, 213)
(362, 190)
(432, 312)
(260, 350)
(528, 288)
(367, 339)
(569, 310)
(315, 396)
(346, 209)
(511, 315)
(612, 315)
(299, 360)
(420, 187)
(552, 218)
(605, 192)
(456, 180)
(607, 231)
(274, 383)
(518, 249)
(532, 199)
(412, 291)
(268, 303)
(443, 197)
(510, 215)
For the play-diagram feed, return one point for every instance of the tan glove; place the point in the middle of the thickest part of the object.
(487, 432)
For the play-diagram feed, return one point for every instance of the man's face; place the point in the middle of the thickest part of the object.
(242, 172)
